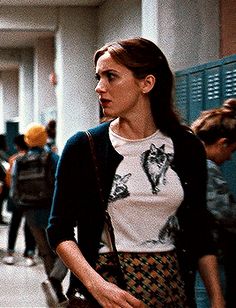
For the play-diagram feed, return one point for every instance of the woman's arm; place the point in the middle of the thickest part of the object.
(106, 293)
(75, 204)
(208, 269)
(219, 201)
(208, 264)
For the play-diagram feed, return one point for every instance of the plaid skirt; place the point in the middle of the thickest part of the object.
(154, 278)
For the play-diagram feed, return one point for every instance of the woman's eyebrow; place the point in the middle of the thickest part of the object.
(109, 70)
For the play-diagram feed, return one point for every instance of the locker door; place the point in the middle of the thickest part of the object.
(229, 80)
(229, 90)
(212, 87)
(195, 95)
(182, 96)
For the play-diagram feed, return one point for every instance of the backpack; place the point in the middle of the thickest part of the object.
(34, 180)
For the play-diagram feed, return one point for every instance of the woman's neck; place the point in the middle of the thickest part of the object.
(136, 129)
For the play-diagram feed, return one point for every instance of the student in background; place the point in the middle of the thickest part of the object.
(33, 176)
(51, 139)
(217, 130)
(2, 190)
(17, 215)
(4, 165)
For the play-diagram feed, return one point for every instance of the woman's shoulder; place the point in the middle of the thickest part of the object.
(213, 168)
(185, 135)
(80, 137)
(188, 148)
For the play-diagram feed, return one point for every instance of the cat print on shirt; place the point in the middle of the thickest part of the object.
(167, 233)
(119, 188)
(169, 230)
(155, 163)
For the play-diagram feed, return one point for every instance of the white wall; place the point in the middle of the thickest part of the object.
(26, 94)
(44, 91)
(2, 123)
(119, 20)
(10, 94)
(9, 57)
(188, 31)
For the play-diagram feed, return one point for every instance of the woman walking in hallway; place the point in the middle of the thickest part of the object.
(146, 173)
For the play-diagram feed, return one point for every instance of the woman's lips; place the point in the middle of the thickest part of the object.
(104, 102)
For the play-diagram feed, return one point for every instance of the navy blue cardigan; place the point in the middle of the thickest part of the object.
(76, 198)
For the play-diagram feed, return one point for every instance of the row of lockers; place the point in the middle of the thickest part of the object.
(204, 87)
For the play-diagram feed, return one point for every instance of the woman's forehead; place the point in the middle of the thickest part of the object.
(107, 62)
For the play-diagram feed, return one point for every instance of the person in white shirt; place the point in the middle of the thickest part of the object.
(153, 181)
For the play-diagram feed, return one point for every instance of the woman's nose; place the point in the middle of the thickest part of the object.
(100, 87)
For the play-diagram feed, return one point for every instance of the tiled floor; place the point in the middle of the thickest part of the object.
(20, 286)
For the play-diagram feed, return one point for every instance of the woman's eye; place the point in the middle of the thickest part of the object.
(110, 76)
(97, 77)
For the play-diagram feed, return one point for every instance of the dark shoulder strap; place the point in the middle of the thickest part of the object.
(93, 153)
(120, 274)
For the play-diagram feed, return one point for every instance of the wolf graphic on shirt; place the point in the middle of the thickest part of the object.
(155, 163)
(119, 188)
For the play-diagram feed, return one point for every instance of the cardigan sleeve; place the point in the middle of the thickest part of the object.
(194, 218)
(67, 186)
(76, 205)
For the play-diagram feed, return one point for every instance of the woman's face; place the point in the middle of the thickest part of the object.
(223, 152)
(120, 93)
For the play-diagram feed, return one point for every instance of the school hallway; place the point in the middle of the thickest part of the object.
(20, 285)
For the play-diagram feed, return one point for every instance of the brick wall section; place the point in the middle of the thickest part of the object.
(228, 27)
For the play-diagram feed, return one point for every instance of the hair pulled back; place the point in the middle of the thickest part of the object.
(143, 57)
(214, 124)
(230, 104)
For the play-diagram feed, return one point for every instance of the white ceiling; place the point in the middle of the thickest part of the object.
(19, 39)
(50, 2)
(9, 39)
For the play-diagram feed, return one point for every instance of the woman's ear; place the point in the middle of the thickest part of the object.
(148, 83)
(223, 142)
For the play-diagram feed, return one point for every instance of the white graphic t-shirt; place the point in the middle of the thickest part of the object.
(145, 195)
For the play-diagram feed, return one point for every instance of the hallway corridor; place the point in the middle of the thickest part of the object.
(20, 286)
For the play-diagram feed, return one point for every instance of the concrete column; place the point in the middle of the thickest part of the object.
(44, 92)
(77, 105)
(2, 124)
(150, 20)
(26, 95)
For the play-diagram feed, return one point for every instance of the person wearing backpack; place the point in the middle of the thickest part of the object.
(33, 176)
(17, 215)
